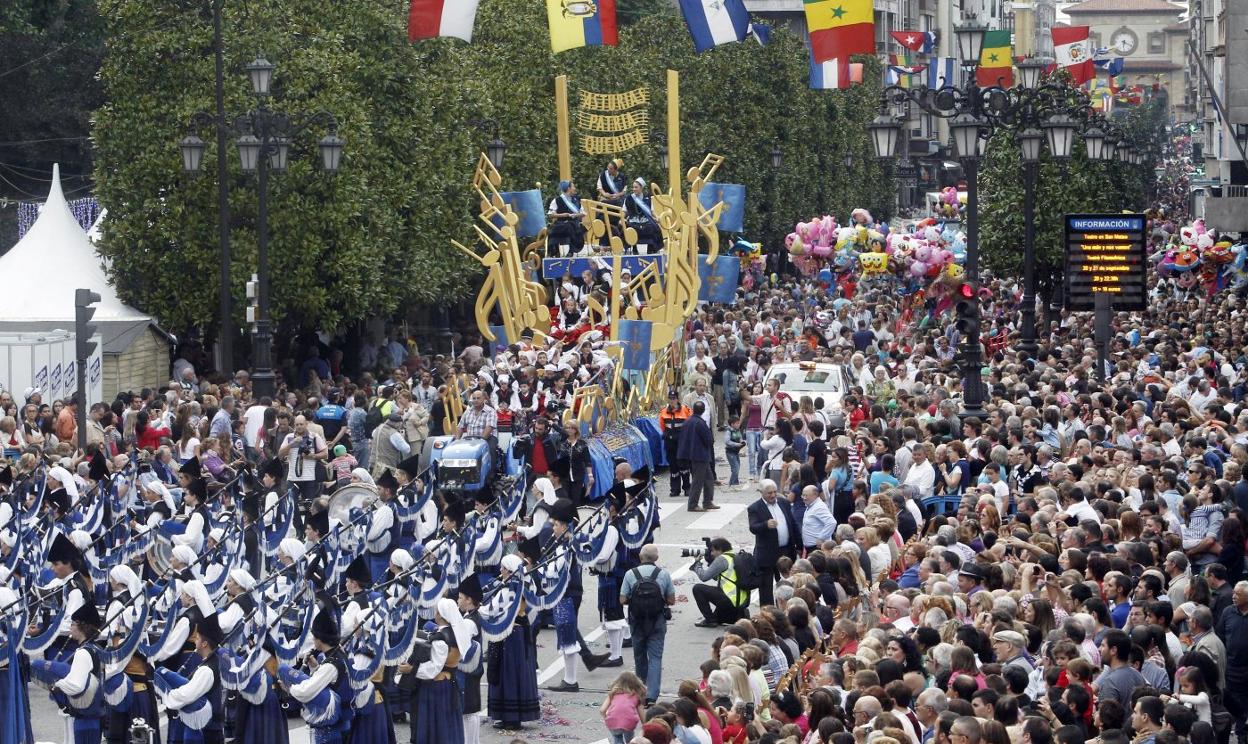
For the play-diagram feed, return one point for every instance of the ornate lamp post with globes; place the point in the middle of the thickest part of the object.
(263, 145)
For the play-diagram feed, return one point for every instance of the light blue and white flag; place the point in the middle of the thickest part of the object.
(715, 22)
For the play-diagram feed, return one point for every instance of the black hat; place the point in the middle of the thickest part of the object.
(209, 630)
(455, 511)
(561, 468)
(672, 393)
(483, 496)
(198, 487)
(359, 572)
(191, 468)
(98, 468)
(563, 510)
(642, 474)
(325, 628)
(387, 480)
(88, 615)
(59, 499)
(971, 570)
(319, 521)
(6, 476)
(63, 550)
(273, 467)
(531, 548)
(411, 466)
(470, 586)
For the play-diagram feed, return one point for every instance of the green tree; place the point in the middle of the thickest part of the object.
(375, 238)
(49, 55)
(1077, 186)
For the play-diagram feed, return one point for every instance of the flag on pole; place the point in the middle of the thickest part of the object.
(719, 280)
(427, 19)
(916, 41)
(579, 23)
(1072, 48)
(1112, 66)
(940, 72)
(732, 219)
(995, 64)
(715, 22)
(829, 75)
(839, 28)
(635, 338)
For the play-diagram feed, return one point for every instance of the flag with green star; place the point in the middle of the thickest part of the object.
(996, 64)
(840, 28)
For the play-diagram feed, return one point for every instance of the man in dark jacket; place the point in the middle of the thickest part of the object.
(775, 534)
(696, 442)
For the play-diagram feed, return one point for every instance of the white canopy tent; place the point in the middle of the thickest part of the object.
(41, 272)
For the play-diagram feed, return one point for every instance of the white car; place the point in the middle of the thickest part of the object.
(816, 379)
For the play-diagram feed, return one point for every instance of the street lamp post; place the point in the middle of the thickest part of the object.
(263, 145)
(495, 149)
(974, 113)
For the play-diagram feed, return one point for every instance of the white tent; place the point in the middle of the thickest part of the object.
(41, 272)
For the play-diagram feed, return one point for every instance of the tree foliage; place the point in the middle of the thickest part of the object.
(376, 237)
(49, 55)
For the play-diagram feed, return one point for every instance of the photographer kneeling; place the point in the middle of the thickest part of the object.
(726, 602)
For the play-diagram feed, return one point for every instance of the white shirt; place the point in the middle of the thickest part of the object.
(782, 525)
(1082, 510)
(922, 476)
(255, 422)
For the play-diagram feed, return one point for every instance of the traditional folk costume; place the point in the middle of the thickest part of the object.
(512, 669)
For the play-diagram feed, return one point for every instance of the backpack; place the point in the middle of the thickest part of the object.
(646, 604)
(374, 416)
(749, 576)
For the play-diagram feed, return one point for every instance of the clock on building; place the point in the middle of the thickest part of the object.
(1124, 41)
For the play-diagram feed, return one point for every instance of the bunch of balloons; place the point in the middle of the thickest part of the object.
(1195, 255)
(949, 207)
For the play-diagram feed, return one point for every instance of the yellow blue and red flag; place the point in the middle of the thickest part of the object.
(579, 23)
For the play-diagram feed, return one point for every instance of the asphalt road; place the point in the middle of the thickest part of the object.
(574, 717)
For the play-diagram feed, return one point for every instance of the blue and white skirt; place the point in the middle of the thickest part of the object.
(565, 626)
(437, 718)
(513, 694)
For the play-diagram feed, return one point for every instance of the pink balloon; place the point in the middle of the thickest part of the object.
(918, 268)
(823, 251)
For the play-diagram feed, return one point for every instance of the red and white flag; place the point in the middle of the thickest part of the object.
(427, 19)
(1072, 47)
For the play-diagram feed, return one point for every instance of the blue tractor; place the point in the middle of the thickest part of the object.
(468, 465)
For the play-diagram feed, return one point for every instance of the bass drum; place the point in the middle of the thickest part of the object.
(354, 496)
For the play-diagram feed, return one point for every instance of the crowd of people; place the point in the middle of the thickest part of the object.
(1068, 567)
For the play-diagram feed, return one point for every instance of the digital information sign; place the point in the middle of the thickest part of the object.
(1106, 254)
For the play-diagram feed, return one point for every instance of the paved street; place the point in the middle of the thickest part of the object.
(574, 717)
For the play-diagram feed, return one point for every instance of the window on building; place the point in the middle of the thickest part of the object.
(1157, 42)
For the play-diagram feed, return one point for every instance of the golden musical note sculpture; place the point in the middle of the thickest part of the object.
(521, 303)
(453, 402)
(681, 220)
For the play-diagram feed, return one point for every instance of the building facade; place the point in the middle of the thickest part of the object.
(1216, 99)
(1147, 34)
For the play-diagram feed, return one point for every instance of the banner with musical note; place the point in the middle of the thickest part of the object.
(613, 122)
(554, 269)
(635, 337)
(719, 279)
(732, 219)
(529, 208)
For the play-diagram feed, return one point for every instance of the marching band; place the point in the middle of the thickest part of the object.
(197, 613)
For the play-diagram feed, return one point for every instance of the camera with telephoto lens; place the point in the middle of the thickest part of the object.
(305, 446)
(697, 552)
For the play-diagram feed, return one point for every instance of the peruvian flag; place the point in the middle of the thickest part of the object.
(1072, 47)
(427, 19)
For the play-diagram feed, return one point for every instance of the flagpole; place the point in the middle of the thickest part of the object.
(673, 133)
(564, 136)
